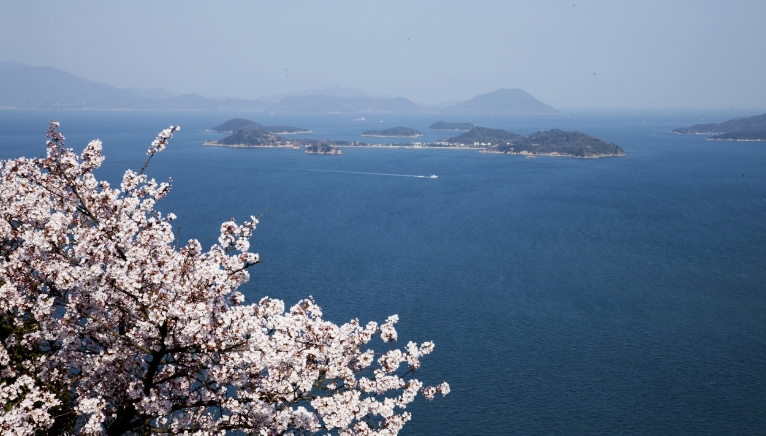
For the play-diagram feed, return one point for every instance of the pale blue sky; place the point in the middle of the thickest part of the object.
(646, 54)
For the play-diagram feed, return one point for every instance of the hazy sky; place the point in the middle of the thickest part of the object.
(645, 54)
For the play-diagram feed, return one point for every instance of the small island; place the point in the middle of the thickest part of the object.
(544, 143)
(252, 137)
(738, 129)
(322, 149)
(246, 133)
(249, 137)
(394, 132)
(236, 124)
(443, 125)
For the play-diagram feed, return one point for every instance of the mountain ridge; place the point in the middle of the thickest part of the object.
(29, 87)
(50, 88)
(334, 91)
(503, 101)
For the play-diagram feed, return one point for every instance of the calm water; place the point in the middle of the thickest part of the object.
(608, 296)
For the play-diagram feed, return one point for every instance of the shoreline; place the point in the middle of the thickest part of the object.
(386, 136)
(697, 133)
(231, 132)
(476, 149)
(553, 154)
(711, 134)
(216, 144)
(292, 146)
(736, 140)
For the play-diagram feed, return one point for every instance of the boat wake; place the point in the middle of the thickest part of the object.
(432, 176)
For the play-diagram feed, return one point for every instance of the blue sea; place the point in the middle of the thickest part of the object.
(574, 297)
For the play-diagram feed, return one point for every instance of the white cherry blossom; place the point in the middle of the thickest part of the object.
(133, 332)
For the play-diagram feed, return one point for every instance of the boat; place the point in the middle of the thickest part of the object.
(433, 176)
(530, 156)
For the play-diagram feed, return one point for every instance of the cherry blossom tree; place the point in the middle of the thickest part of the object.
(107, 327)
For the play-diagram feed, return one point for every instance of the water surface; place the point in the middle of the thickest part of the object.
(604, 296)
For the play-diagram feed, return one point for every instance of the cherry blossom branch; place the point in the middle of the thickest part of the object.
(159, 144)
(146, 337)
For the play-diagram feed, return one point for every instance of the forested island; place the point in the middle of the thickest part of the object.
(236, 124)
(495, 141)
(443, 125)
(246, 133)
(738, 129)
(394, 132)
(550, 143)
(251, 136)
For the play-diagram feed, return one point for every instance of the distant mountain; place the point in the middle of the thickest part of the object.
(26, 87)
(738, 129)
(394, 132)
(439, 105)
(326, 103)
(443, 125)
(502, 101)
(156, 93)
(335, 91)
(9, 65)
(45, 88)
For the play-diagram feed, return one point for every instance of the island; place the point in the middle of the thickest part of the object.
(322, 149)
(254, 137)
(737, 129)
(492, 141)
(249, 137)
(394, 132)
(443, 125)
(554, 143)
(236, 124)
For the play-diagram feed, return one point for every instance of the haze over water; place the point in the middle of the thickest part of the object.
(602, 296)
(569, 54)
(565, 297)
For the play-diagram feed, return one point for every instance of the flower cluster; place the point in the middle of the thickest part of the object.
(158, 144)
(132, 334)
(162, 140)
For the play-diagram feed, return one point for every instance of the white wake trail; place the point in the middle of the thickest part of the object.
(365, 173)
